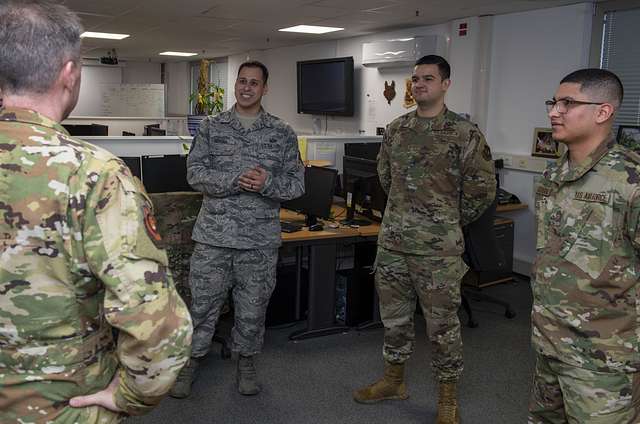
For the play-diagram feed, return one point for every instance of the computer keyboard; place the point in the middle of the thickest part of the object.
(289, 227)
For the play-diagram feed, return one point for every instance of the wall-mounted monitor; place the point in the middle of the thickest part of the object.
(325, 87)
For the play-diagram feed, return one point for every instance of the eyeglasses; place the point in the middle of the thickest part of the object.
(563, 105)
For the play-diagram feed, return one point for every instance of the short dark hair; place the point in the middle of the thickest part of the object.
(603, 84)
(256, 64)
(433, 59)
(37, 38)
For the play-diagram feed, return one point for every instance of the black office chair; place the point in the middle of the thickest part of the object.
(483, 254)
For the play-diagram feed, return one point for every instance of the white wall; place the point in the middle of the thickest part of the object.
(141, 73)
(368, 82)
(94, 75)
(176, 77)
(531, 52)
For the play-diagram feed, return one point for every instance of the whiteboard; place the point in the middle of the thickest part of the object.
(132, 100)
(112, 98)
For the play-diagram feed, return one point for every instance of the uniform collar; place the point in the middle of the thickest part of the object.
(27, 116)
(419, 123)
(562, 172)
(230, 117)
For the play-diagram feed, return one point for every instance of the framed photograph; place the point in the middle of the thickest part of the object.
(544, 145)
(629, 136)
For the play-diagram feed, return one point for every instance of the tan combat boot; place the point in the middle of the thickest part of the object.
(182, 387)
(390, 386)
(447, 404)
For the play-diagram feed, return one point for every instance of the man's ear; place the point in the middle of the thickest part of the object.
(69, 74)
(446, 84)
(605, 112)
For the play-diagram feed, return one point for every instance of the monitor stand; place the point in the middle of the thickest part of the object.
(352, 220)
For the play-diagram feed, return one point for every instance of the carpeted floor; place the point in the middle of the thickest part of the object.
(311, 381)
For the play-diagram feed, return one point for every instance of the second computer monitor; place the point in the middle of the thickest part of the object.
(165, 173)
(362, 188)
(318, 197)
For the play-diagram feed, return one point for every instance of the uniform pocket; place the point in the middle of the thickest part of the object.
(589, 238)
(223, 149)
(447, 272)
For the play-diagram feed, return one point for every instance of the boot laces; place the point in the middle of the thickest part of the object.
(447, 404)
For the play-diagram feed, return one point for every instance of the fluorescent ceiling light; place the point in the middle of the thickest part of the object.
(185, 54)
(106, 35)
(311, 29)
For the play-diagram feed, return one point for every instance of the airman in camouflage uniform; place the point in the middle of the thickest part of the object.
(78, 257)
(437, 170)
(585, 279)
(245, 162)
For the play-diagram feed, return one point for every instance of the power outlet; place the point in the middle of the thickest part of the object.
(379, 130)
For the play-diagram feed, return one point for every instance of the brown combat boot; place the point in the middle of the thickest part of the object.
(390, 386)
(447, 404)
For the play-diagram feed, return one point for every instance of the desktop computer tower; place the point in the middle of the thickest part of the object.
(282, 305)
(356, 287)
(503, 230)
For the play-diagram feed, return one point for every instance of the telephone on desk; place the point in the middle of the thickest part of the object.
(506, 198)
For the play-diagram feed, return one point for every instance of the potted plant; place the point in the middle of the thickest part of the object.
(208, 99)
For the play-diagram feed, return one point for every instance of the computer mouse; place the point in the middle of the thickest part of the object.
(316, 227)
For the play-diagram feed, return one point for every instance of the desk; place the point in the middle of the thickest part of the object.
(511, 207)
(322, 246)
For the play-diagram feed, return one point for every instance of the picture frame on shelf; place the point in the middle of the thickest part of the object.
(544, 146)
(629, 136)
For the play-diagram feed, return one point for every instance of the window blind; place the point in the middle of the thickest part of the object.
(621, 55)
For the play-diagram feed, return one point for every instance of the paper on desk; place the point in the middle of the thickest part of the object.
(326, 152)
(302, 146)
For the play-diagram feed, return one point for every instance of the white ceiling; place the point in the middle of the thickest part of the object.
(216, 28)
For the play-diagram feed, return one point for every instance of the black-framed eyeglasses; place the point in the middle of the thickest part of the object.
(563, 105)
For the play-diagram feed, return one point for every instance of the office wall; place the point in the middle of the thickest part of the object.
(176, 76)
(530, 53)
(141, 73)
(371, 108)
(94, 75)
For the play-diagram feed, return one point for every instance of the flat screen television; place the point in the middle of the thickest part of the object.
(325, 87)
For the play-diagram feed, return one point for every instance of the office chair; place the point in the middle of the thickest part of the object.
(176, 214)
(482, 253)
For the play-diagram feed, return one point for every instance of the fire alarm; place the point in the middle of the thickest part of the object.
(462, 29)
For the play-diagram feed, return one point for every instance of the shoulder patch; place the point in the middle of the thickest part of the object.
(151, 225)
(543, 191)
(486, 152)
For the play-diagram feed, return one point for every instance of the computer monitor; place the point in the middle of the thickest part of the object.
(165, 173)
(362, 150)
(101, 130)
(318, 194)
(147, 130)
(362, 187)
(153, 131)
(82, 130)
(133, 162)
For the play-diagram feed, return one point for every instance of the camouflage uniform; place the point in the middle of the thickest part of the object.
(585, 315)
(77, 261)
(237, 232)
(439, 176)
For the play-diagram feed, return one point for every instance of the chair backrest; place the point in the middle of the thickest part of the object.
(482, 251)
